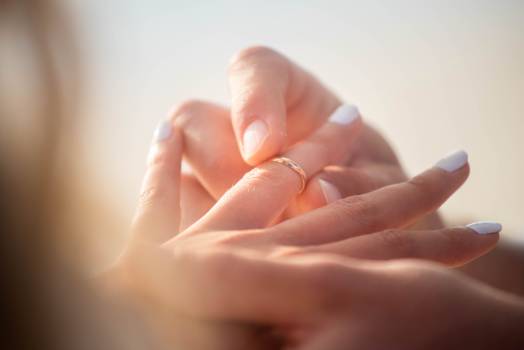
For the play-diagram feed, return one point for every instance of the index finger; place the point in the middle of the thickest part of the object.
(274, 102)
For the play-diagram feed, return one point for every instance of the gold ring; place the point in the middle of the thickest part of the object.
(291, 164)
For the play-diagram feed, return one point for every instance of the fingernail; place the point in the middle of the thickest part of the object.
(185, 168)
(345, 114)
(454, 161)
(163, 131)
(329, 191)
(485, 227)
(254, 136)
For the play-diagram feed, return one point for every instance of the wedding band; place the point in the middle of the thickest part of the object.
(291, 164)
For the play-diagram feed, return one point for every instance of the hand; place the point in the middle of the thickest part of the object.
(406, 304)
(276, 96)
(214, 277)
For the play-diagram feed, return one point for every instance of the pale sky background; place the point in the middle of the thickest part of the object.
(433, 76)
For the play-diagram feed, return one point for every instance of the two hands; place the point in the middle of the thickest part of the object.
(220, 259)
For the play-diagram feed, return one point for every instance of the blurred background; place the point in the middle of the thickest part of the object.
(433, 76)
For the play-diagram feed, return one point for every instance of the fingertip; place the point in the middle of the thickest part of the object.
(464, 244)
(254, 137)
(163, 131)
(469, 234)
(260, 141)
(329, 191)
(453, 161)
(318, 193)
(166, 147)
(485, 227)
(439, 179)
(258, 104)
(477, 243)
(345, 114)
(454, 165)
(312, 197)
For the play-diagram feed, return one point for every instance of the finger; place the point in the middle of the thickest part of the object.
(204, 283)
(262, 195)
(389, 207)
(209, 145)
(195, 201)
(450, 246)
(336, 182)
(158, 214)
(269, 92)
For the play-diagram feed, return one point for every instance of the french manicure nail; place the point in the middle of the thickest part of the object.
(485, 227)
(345, 114)
(254, 137)
(163, 131)
(454, 161)
(330, 192)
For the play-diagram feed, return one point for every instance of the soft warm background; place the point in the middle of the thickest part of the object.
(434, 76)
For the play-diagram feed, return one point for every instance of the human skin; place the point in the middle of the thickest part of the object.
(266, 86)
(222, 285)
(406, 304)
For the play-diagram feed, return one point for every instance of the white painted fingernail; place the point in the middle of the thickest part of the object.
(253, 138)
(330, 192)
(485, 227)
(163, 131)
(185, 168)
(345, 114)
(452, 162)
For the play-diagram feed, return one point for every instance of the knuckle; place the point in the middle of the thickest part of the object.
(152, 195)
(187, 107)
(399, 242)
(258, 177)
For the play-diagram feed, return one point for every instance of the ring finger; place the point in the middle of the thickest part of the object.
(263, 193)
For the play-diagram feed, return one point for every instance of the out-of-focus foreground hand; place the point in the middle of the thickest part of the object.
(229, 283)
(276, 104)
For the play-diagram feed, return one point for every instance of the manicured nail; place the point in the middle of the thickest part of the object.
(253, 138)
(185, 168)
(345, 114)
(163, 131)
(329, 191)
(452, 162)
(485, 227)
